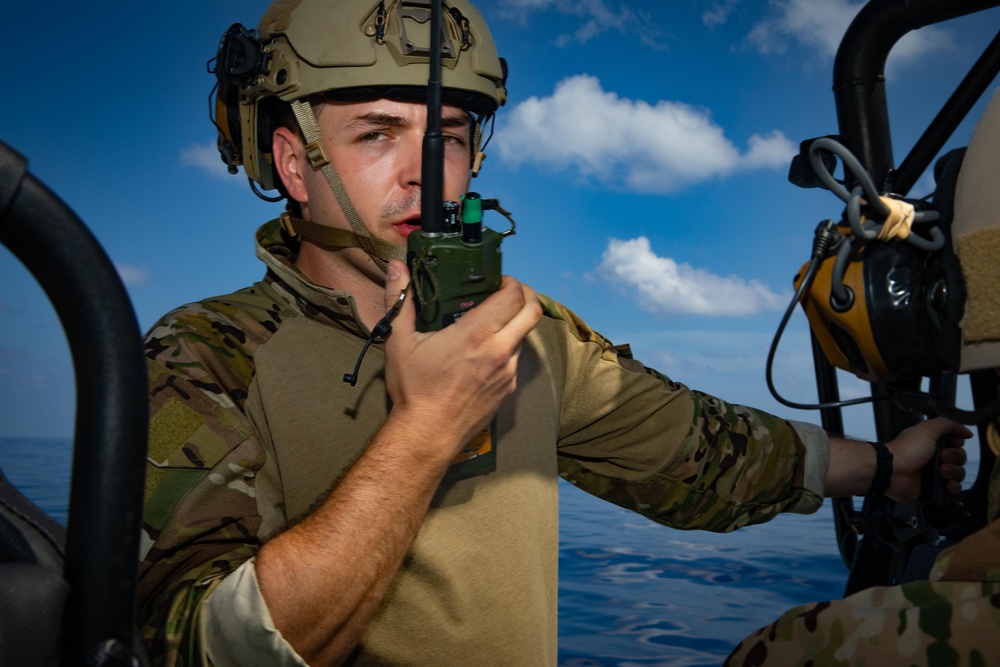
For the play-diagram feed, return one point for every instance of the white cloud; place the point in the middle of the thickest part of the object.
(821, 24)
(205, 157)
(774, 150)
(719, 13)
(629, 144)
(598, 17)
(665, 286)
(919, 43)
(512, 6)
(132, 275)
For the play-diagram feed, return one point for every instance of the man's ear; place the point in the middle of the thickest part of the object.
(289, 159)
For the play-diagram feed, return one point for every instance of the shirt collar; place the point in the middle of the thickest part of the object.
(278, 250)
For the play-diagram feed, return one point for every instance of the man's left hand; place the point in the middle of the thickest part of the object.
(915, 447)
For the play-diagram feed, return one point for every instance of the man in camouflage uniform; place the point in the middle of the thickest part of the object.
(291, 518)
(952, 619)
(945, 621)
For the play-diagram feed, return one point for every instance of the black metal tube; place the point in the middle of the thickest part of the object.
(889, 419)
(858, 72)
(948, 118)
(102, 542)
(832, 420)
(827, 389)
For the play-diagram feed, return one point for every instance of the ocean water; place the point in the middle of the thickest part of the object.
(40, 468)
(631, 593)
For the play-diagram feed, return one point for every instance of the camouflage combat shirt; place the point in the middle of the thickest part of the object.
(951, 619)
(251, 425)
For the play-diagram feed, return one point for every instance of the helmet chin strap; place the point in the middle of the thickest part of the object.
(379, 250)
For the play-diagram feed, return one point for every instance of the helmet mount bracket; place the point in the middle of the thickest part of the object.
(241, 57)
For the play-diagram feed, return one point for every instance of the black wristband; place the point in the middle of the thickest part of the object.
(883, 470)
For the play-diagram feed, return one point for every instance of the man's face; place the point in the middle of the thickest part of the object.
(376, 149)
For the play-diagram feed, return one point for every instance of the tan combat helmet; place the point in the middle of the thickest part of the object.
(345, 50)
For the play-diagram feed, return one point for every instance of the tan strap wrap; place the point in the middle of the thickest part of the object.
(477, 155)
(339, 238)
(377, 249)
(477, 162)
(899, 221)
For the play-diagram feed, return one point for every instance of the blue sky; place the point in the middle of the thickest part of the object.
(643, 152)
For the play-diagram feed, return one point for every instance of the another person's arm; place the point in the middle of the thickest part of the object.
(853, 462)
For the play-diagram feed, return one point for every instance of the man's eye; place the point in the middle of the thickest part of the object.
(371, 136)
(451, 139)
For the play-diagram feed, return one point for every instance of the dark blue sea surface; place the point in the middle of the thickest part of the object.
(40, 469)
(631, 593)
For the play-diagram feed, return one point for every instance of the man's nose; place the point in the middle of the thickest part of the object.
(411, 160)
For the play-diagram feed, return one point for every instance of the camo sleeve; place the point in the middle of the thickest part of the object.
(919, 623)
(201, 517)
(632, 436)
(950, 619)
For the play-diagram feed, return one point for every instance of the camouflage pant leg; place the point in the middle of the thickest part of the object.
(942, 623)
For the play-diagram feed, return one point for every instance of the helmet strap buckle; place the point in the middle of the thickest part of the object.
(317, 156)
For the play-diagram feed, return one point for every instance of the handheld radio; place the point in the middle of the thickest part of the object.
(454, 259)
